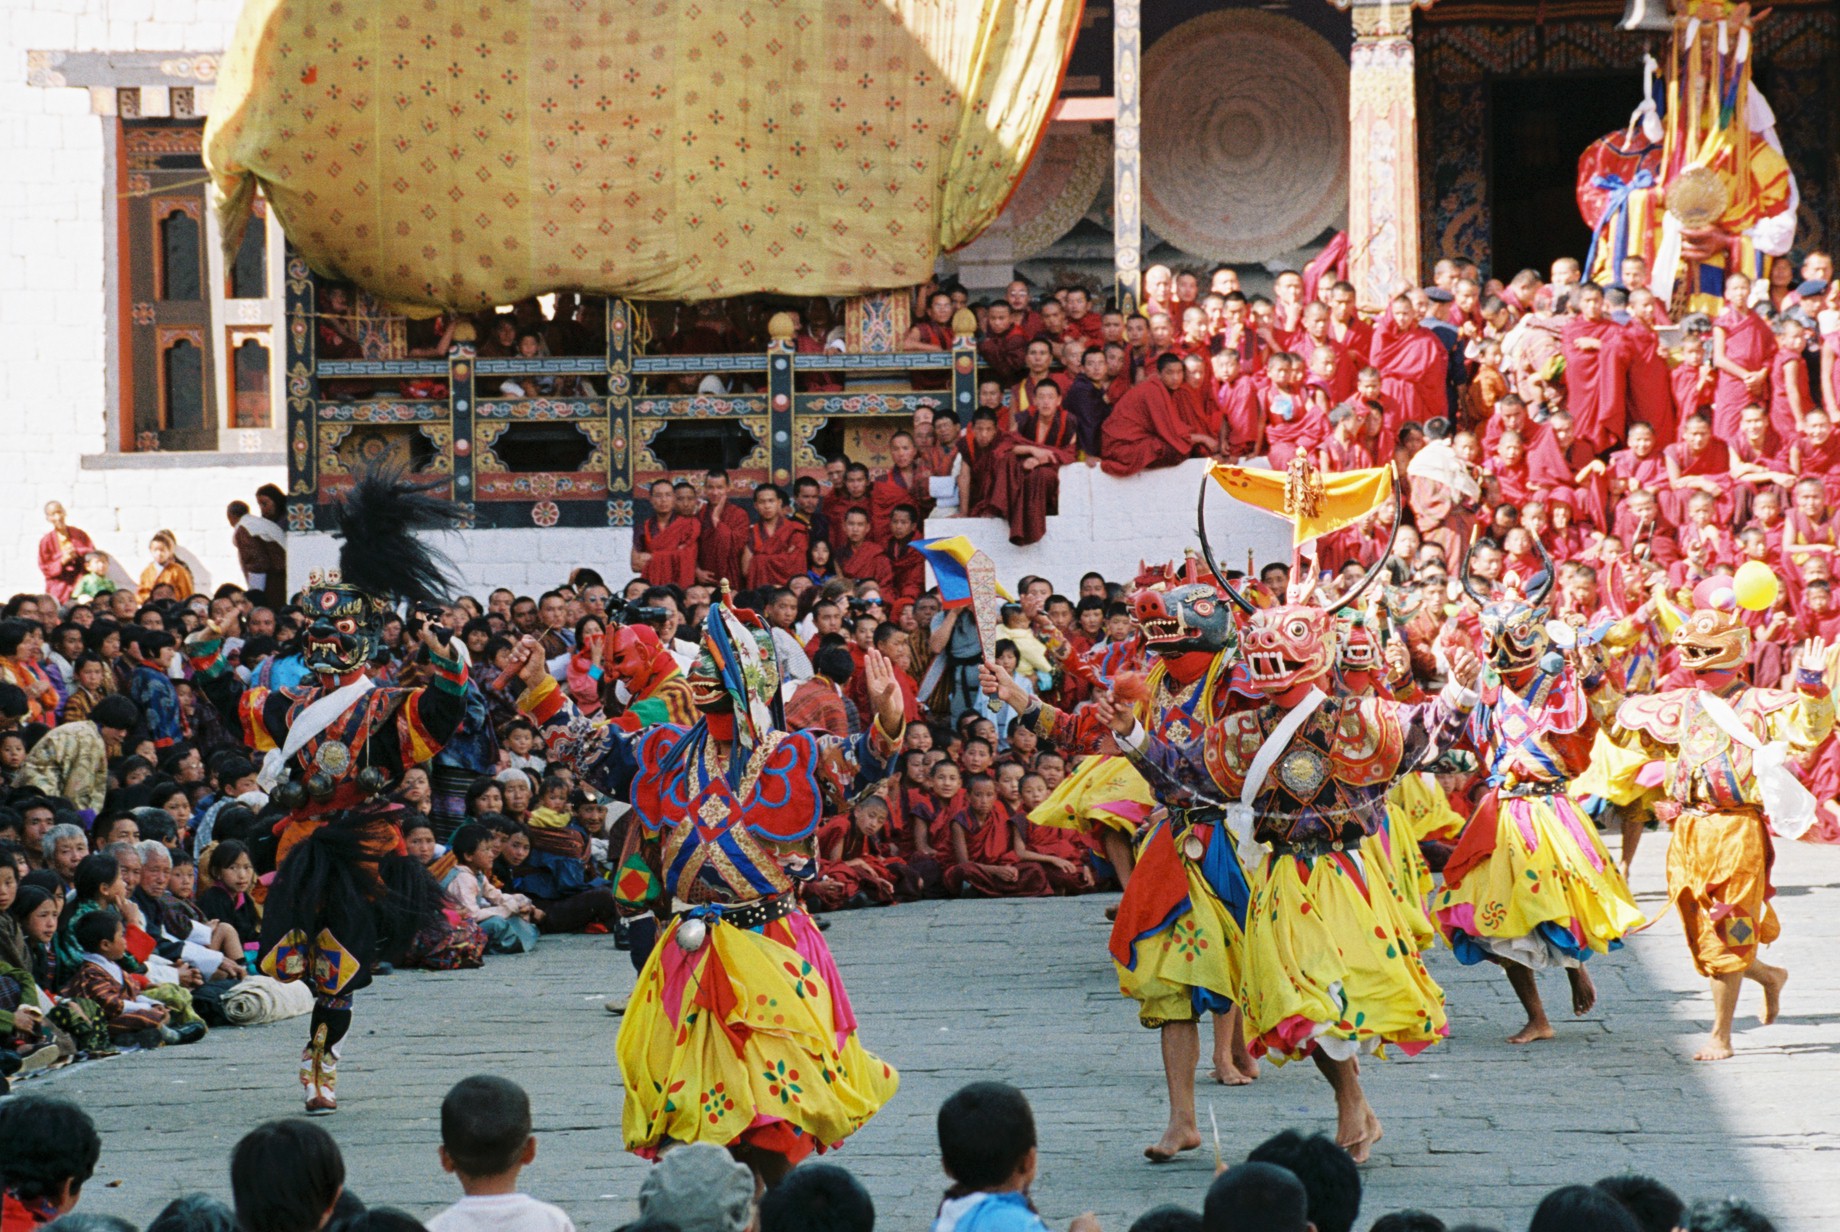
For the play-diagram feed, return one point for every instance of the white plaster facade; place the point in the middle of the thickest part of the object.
(57, 364)
(1105, 523)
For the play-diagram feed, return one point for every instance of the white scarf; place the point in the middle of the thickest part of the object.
(262, 528)
(316, 718)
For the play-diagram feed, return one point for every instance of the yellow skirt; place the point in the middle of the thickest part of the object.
(1104, 791)
(1420, 810)
(1192, 966)
(1391, 851)
(1612, 772)
(1329, 962)
(1548, 894)
(749, 1038)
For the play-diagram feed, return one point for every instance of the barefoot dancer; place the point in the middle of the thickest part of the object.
(1327, 968)
(1178, 927)
(740, 989)
(1530, 885)
(1718, 864)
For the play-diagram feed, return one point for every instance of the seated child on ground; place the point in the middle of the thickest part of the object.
(509, 921)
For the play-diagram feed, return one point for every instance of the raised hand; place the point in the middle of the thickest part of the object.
(527, 656)
(1465, 667)
(884, 691)
(1811, 657)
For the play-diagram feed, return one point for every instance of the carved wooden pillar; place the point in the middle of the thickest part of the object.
(1382, 153)
(1127, 155)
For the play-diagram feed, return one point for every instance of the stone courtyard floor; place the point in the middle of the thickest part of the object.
(1020, 991)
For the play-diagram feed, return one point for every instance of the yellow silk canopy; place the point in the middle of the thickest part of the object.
(471, 152)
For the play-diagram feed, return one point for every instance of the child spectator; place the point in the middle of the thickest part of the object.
(987, 1145)
(286, 1176)
(95, 581)
(522, 748)
(984, 857)
(231, 875)
(508, 920)
(48, 1151)
(485, 1142)
(132, 1018)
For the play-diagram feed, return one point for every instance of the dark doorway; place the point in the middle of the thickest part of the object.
(1537, 130)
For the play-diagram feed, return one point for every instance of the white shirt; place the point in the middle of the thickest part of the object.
(501, 1213)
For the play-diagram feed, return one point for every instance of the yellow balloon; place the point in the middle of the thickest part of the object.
(1755, 586)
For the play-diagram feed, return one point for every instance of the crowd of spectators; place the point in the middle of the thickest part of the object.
(289, 1176)
(1544, 419)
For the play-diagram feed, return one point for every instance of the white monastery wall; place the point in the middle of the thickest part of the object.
(1105, 523)
(57, 407)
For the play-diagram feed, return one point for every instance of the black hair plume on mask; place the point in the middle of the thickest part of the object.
(379, 521)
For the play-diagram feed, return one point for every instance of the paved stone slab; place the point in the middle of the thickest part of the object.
(952, 992)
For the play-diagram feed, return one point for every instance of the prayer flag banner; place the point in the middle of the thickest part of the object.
(1318, 504)
(949, 557)
(443, 153)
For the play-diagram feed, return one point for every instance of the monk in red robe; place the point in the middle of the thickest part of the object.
(1159, 423)
(860, 557)
(1413, 363)
(724, 533)
(906, 483)
(1294, 424)
(906, 566)
(1038, 362)
(982, 450)
(1000, 350)
(1236, 415)
(1314, 336)
(1692, 381)
(1696, 463)
(776, 547)
(1742, 348)
(859, 864)
(854, 495)
(983, 850)
(61, 553)
(933, 333)
(1594, 370)
(1347, 328)
(665, 548)
(1027, 482)
(1790, 398)
(1650, 388)
(1815, 454)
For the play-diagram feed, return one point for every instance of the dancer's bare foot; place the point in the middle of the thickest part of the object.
(1584, 992)
(1715, 1050)
(1229, 1075)
(1538, 1029)
(1356, 1128)
(1111, 912)
(1772, 979)
(1175, 1140)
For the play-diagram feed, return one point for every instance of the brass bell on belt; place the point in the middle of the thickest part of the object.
(321, 785)
(289, 795)
(691, 935)
(374, 780)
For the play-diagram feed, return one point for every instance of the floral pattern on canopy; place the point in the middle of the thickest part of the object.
(450, 153)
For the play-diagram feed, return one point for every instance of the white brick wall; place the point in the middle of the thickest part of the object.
(1105, 523)
(53, 216)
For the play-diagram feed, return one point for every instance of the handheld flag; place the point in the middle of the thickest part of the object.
(949, 556)
(1316, 503)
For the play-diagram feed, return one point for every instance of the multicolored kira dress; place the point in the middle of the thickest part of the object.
(742, 1032)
